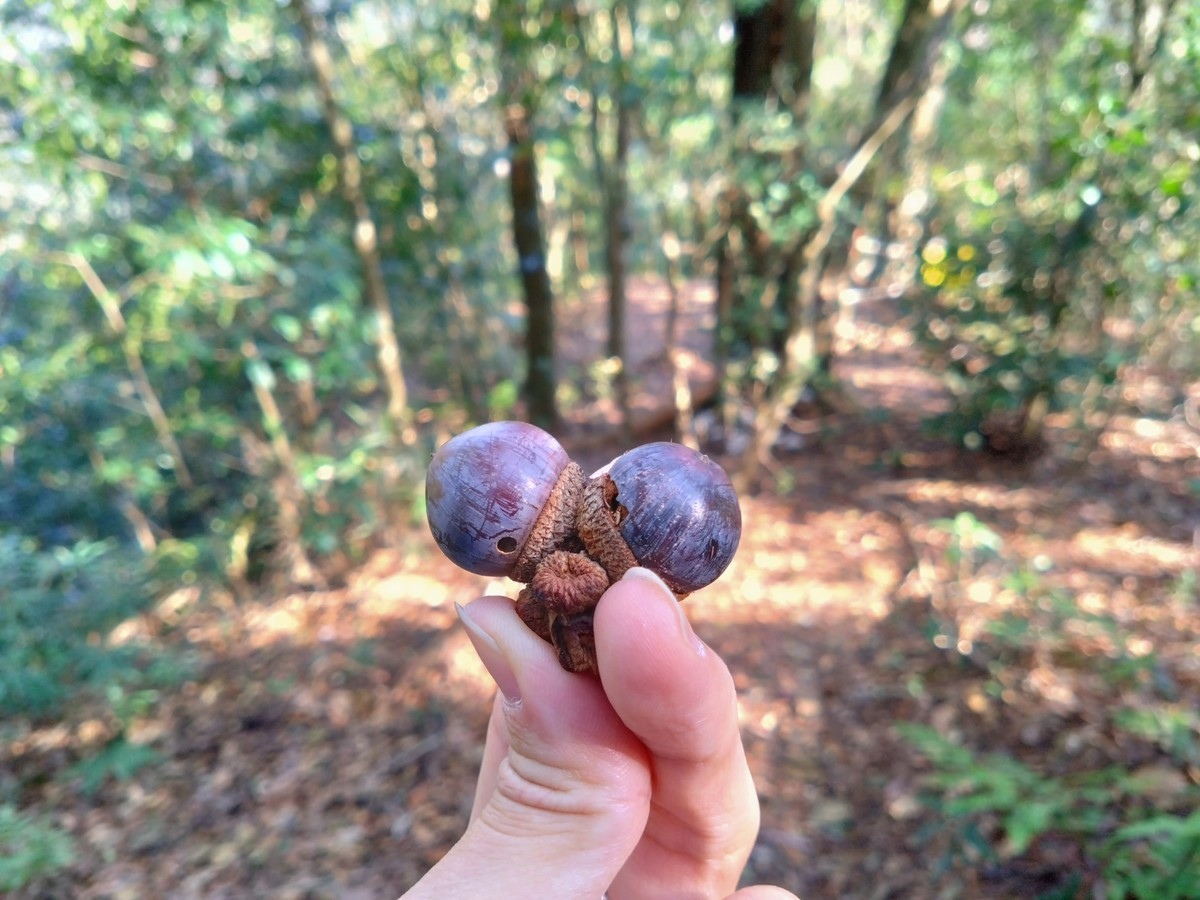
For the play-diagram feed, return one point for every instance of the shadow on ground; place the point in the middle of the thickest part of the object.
(328, 743)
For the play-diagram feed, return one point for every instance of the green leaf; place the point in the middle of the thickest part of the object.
(30, 848)
(1026, 822)
(260, 374)
(119, 760)
(1162, 826)
(288, 326)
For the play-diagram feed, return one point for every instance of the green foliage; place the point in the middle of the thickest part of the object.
(59, 605)
(1137, 826)
(190, 386)
(184, 346)
(1157, 858)
(29, 849)
(1147, 854)
(1173, 728)
(189, 378)
(995, 315)
(1027, 803)
(119, 760)
(1037, 620)
(972, 543)
(1057, 254)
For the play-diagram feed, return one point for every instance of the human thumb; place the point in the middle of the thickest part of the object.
(564, 791)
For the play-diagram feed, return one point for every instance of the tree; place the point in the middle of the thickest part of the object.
(783, 214)
(1026, 274)
(519, 95)
(612, 169)
(925, 26)
(365, 232)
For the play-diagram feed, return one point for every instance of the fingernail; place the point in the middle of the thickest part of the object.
(491, 656)
(659, 587)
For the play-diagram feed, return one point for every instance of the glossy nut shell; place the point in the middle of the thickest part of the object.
(485, 489)
(678, 512)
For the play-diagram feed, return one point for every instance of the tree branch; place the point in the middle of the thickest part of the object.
(133, 361)
(365, 233)
(791, 378)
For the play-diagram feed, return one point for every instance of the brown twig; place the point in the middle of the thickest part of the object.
(133, 361)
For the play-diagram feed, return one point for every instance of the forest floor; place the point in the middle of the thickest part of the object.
(327, 742)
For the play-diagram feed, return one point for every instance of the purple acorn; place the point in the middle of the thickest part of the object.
(677, 512)
(485, 489)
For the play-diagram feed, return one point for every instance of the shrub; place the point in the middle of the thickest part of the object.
(29, 849)
(60, 605)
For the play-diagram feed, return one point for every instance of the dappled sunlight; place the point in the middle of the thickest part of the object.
(793, 563)
(1127, 550)
(921, 276)
(1173, 439)
(652, 374)
(347, 724)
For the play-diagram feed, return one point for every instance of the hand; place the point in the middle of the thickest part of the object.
(634, 783)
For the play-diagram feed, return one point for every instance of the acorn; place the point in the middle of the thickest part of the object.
(505, 499)
(677, 512)
(486, 488)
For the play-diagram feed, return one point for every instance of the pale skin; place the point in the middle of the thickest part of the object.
(632, 785)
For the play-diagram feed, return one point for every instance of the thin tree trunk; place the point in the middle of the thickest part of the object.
(911, 217)
(579, 246)
(613, 182)
(387, 348)
(616, 190)
(615, 231)
(672, 251)
(1149, 31)
(139, 522)
(916, 51)
(289, 493)
(519, 92)
(531, 261)
(685, 430)
(728, 250)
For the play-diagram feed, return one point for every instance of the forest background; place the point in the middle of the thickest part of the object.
(921, 273)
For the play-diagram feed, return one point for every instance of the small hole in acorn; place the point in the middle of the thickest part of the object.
(506, 545)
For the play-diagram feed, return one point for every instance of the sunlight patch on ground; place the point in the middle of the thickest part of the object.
(1172, 439)
(1128, 550)
(789, 568)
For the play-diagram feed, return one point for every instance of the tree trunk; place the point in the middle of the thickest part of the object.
(916, 49)
(616, 231)
(799, 361)
(289, 492)
(387, 348)
(531, 263)
(579, 247)
(111, 307)
(615, 183)
(612, 180)
(773, 51)
(519, 93)
(908, 223)
(772, 62)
